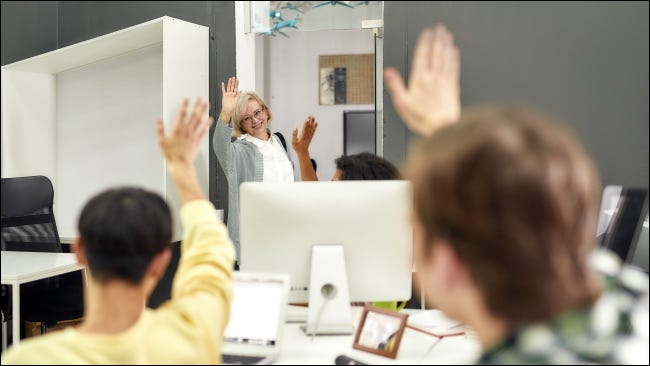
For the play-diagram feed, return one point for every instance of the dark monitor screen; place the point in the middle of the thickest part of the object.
(359, 132)
(641, 253)
(622, 216)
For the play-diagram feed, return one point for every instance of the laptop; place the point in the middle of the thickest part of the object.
(254, 333)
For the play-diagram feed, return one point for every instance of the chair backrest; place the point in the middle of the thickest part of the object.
(28, 222)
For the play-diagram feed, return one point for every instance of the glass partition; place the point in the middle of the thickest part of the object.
(283, 17)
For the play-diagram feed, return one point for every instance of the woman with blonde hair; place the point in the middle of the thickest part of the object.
(256, 155)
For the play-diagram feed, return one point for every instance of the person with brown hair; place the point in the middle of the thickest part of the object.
(505, 210)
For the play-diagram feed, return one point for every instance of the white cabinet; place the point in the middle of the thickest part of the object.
(85, 115)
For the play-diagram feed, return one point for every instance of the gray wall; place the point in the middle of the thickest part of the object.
(28, 28)
(584, 63)
(32, 28)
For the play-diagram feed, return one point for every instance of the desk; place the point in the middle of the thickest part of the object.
(23, 267)
(67, 239)
(415, 348)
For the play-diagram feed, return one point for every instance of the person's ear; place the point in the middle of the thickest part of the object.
(159, 264)
(77, 247)
(448, 266)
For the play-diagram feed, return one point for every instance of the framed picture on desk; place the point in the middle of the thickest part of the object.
(380, 331)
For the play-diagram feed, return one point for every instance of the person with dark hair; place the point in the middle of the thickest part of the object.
(363, 166)
(135, 242)
(124, 236)
(505, 209)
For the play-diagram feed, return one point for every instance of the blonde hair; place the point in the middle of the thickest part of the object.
(240, 110)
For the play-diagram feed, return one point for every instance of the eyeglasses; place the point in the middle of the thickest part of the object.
(256, 114)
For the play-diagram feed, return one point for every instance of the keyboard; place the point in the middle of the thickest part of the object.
(241, 360)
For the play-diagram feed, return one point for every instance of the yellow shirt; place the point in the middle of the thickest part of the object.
(187, 329)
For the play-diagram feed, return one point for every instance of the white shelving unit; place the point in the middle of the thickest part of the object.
(85, 115)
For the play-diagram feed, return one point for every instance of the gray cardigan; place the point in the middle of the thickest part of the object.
(241, 162)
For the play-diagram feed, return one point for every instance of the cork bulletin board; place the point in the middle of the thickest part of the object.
(346, 79)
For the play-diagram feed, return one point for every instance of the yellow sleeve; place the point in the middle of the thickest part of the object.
(202, 287)
(207, 254)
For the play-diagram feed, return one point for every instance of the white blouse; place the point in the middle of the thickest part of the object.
(277, 166)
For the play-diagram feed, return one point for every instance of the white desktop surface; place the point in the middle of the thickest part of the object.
(415, 347)
(23, 267)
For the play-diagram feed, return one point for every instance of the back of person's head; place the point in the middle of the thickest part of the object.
(240, 110)
(516, 197)
(366, 166)
(122, 230)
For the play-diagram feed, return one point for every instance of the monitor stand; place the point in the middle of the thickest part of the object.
(329, 299)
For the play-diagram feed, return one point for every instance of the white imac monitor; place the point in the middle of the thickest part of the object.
(355, 236)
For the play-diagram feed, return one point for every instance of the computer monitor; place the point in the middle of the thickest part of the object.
(623, 212)
(282, 224)
(359, 132)
(641, 254)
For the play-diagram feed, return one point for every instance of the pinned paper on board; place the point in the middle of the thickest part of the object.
(346, 79)
(333, 85)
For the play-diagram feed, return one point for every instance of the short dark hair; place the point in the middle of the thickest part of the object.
(122, 229)
(366, 166)
(516, 196)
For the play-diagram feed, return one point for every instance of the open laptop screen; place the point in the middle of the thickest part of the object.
(255, 312)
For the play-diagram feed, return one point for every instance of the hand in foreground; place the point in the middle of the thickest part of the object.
(181, 146)
(432, 99)
(301, 143)
(230, 94)
(182, 143)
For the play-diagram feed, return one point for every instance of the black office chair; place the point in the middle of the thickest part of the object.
(28, 224)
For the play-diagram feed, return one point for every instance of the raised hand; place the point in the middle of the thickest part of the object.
(301, 143)
(301, 146)
(230, 94)
(182, 143)
(432, 99)
(181, 146)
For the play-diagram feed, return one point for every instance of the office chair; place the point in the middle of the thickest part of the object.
(28, 224)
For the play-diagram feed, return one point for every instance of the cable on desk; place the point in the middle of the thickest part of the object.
(426, 354)
(318, 318)
(437, 335)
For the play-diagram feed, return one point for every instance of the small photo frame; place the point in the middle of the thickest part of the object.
(380, 331)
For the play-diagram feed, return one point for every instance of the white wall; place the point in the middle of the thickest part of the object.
(106, 137)
(290, 87)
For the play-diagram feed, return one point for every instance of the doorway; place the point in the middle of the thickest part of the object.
(284, 65)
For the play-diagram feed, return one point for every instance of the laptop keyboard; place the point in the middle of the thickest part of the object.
(241, 360)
